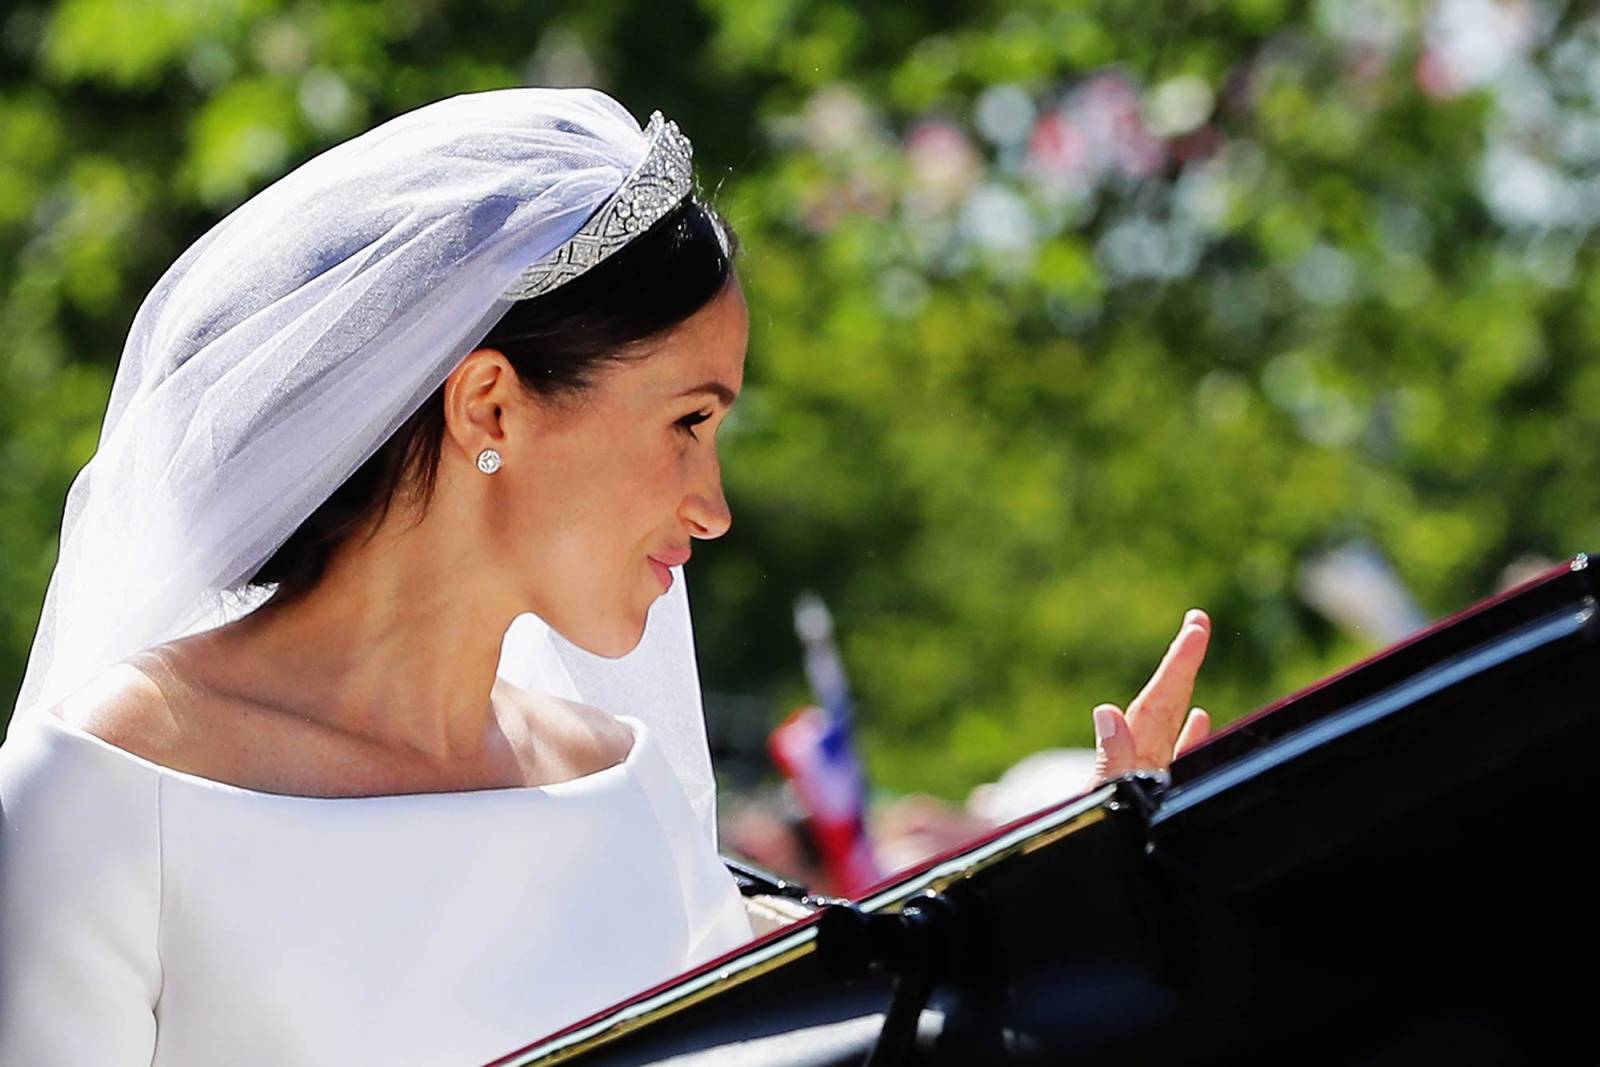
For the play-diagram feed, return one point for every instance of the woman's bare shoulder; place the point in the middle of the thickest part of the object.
(153, 706)
(583, 738)
(133, 705)
(603, 733)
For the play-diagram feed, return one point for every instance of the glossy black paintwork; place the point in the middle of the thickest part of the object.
(1391, 867)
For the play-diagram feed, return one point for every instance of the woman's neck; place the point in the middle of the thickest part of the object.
(395, 643)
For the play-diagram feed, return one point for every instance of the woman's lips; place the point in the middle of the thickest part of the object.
(663, 562)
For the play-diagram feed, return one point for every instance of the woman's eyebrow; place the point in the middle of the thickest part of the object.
(716, 389)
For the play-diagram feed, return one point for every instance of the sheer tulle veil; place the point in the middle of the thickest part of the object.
(291, 340)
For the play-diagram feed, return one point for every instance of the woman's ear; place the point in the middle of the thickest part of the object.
(476, 396)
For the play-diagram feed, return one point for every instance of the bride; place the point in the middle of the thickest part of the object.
(398, 475)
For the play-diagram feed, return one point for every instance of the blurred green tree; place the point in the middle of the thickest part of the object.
(1067, 315)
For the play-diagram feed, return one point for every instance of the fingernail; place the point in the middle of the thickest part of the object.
(1191, 616)
(1105, 724)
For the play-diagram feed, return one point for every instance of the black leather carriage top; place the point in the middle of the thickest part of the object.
(1388, 867)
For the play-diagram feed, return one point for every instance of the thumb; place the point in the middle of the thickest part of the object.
(1114, 750)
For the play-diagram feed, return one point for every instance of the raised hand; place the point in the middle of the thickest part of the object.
(1160, 724)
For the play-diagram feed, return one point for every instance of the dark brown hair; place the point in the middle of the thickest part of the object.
(555, 342)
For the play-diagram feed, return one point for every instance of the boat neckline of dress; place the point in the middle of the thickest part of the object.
(581, 783)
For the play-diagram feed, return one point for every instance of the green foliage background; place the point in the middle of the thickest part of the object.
(1009, 421)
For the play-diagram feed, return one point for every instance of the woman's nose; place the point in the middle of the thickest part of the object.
(706, 511)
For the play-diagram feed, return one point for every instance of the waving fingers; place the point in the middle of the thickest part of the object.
(1114, 752)
(1157, 715)
(1196, 728)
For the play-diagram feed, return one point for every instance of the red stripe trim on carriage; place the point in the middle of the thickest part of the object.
(661, 987)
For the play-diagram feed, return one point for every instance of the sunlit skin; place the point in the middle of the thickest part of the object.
(590, 488)
(382, 678)
(600, 495)
(1159, 723)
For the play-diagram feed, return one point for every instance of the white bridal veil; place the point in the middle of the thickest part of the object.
(291, 340)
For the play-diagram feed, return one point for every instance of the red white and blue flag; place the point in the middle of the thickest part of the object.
(814, 749)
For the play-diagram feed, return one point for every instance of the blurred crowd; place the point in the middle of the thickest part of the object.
(770, 828)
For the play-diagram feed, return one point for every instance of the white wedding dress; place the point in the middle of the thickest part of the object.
(149, 916)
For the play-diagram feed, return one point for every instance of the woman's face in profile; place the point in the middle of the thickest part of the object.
(621, 480)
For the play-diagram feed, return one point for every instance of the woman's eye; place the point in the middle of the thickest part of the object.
(689, 422)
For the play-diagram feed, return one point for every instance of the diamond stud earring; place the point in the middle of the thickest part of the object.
(488, 461)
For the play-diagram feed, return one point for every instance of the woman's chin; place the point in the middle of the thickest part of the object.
(609, 642)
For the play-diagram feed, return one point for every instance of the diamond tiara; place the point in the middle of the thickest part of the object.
(657, 185)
